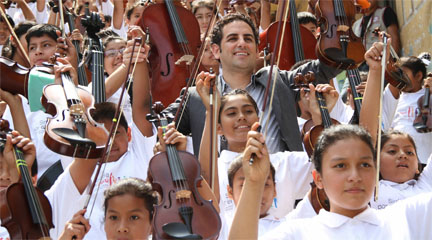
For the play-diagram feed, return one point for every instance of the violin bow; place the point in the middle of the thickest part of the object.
(276, 49)
(180, 111)
(378, 152)
(114, 127)
(62, 24)
(20, 46)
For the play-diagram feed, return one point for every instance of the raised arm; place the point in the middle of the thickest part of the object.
(17, 112)
(118, 14)
(28, 14)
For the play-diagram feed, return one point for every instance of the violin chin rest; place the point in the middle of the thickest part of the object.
(73, 137)
(179, 231)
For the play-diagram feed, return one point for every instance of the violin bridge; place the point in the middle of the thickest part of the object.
(77, 109)
(183, 194)
(185, 58)
(343, 28)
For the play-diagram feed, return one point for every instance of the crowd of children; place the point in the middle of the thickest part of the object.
(255, 170)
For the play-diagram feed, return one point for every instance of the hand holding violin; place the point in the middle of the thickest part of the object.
(171, 136)
(8, 155)
(139, 55)
(77, 227)
(427, 82)
(374, 54)
(330, 95)
(65, 66)
(66, 49)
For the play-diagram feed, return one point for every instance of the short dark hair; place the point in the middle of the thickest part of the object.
(135, 187)
(106, 111)
(11, 21)
(336, 133)
(216, 36)
(130, 10)
(224, 100)
(237, 164)
(42, 30)
(415, 64)
(307, 17)
(112, 38)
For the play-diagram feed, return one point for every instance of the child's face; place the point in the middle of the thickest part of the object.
(399, 161)
(416, 80)
(113, 59)
(268, 195)
(348, 176)
(136, 14)
(203, 16)
(127, 218)
(236, 118)
(4, 33)
(121, 141)
(311, 27)
(41, 49)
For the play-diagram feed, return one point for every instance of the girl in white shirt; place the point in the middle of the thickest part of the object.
(128, 209)
(345, 167)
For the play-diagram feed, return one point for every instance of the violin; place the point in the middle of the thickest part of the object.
(423, 121)
(337, 45)
(298, 42)
(394, 74)
(182, 213)
(25, 211)
(14, 77)
(174, 48)
(319, 199)
(310, 131)
(72, 131)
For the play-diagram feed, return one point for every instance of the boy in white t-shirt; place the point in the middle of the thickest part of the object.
(129, 157)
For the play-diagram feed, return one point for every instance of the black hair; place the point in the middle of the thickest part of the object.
(106, 111)
(217, 34)
(8, 49)
(42, 30)
(11, 21)
(106, 33)
(112, 38)
(224, 100)
(415, 64)
(135, 187)
(307, 17)
(237, 164)
(336, 133)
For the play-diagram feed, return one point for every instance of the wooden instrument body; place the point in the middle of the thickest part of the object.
(55, 103)
(205, 219)
(333, 29)
(15, 212)
(168, 78)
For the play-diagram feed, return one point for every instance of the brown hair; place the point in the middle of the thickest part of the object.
(237, 164)
(216, 36)
(224, 100)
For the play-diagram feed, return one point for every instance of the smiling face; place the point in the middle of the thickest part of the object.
(268, 195)
(41, 49)
(238, 50)
(113, 57)
(347, 176)
(399, 161)
(236, 118)
(127, 218)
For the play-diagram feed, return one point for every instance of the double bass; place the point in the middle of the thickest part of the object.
(24, 210)
(182, 213)
(174, 48)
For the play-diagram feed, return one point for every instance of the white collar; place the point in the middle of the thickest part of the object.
(334, 220)
(399, 186)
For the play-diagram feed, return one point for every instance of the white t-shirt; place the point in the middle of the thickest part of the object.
(4, 234)
(407, 219)
(66, 200)
(304, 209)
(37, 122)
(404, 112)
(17, 15)
(293, 175)
(391, 192)
(107, 8)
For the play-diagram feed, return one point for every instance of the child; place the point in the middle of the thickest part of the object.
(236, 114)
(309, 21)
(11, 50)
(128, 211)
(125, 159)
(42, 42)
(203, 11)
(345, 167)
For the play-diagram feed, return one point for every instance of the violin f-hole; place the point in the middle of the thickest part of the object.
(332, 30)
(168, 65)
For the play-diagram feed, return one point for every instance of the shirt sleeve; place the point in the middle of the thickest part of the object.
(425, 179)
(342, 112)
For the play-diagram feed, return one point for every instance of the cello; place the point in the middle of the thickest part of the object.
(298, 42)
(174, 48)
(337, 45)
(182, 213)
(25, 211)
